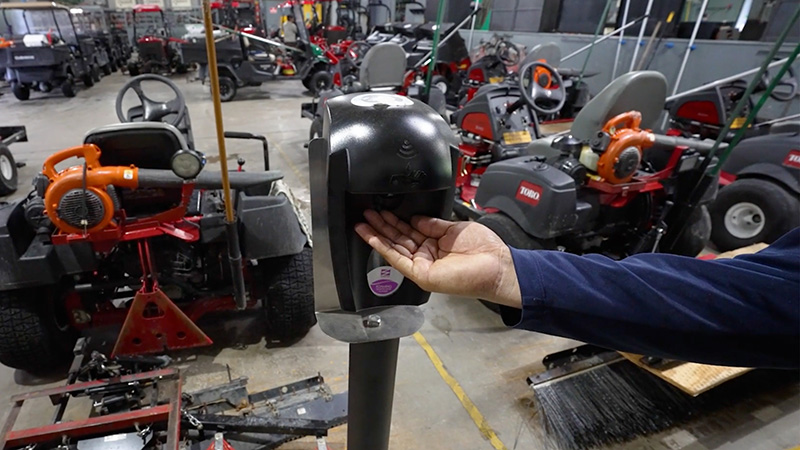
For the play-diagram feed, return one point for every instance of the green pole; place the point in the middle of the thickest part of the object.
(435, 51)
(600, 25)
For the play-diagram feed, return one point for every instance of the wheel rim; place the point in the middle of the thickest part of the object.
(224, 90)
(744, 220)
(5, 167)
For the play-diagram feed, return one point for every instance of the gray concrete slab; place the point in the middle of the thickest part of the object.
(487, 361)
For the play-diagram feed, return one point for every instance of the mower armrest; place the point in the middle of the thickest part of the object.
(155, 178)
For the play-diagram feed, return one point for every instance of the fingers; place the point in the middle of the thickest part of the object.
(396, 255)
(404, 228)
(431, 226)
(387, 230)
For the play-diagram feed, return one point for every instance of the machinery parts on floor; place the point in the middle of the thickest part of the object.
(403, 163)
(138, 403)
(156, 50)
(86, 242)
(8, 165)
(44, 55)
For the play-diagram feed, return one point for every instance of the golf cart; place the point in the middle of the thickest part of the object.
(89, 27)
(156, 50)
(244, 59)
(606, 187)
(381, 71)
(45, 51)
(114, 43)
(134, 233)
(759, 197)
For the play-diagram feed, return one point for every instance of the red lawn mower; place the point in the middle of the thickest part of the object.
(606, 187)
(133, 233)
(759, 198)
(156, 50)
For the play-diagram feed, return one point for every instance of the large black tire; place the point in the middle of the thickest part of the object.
(289, 301)
(8, 171)
(752, 210)
(307, 82)
(316, 128)
(696, 234)
(107, 69)
(21, 91)
(30, 338)
(96, 74)
(133, 70)
(320, 81)
(87, 79)
(68, 87)
(227, 89)
(512, 235)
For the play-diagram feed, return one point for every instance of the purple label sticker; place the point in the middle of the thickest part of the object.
(384, 280)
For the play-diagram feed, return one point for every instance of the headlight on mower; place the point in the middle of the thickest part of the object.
(187, 164)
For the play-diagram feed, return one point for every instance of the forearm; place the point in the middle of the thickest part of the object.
(661, 305)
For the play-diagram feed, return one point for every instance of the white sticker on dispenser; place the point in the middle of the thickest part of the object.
(372, 99)
(384, 280)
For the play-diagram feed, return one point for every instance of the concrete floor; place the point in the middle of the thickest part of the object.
(487, 360)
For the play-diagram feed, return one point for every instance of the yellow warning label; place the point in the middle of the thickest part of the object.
(738, 122)
(517, 137)
(494, 80)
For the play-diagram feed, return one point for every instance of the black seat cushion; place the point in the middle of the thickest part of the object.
(144, 148)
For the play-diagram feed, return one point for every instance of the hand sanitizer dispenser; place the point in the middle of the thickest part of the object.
(387, 153)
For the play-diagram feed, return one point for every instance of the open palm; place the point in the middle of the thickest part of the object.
(460, 258)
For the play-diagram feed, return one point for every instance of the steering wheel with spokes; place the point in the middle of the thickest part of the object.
(542, 87)
(507, 53)
(356, 51)
(790, 82)
(148, 109)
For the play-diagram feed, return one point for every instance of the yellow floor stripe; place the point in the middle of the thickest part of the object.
(288, 161)
(480, 421)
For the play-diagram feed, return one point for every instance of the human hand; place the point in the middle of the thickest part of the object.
(459, 258)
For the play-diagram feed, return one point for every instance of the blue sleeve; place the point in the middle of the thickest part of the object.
(735, 312)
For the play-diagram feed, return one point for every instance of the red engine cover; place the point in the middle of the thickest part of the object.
(701, 111)
(479, 124)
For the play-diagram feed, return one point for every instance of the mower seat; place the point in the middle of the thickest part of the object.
(643, 91)
(147, 145)
(384, 66)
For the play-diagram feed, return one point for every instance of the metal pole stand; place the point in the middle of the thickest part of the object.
(374, 337)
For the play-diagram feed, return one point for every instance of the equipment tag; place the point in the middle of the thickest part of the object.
(494, 80)
(517, 137)
(738, 122)
(384, 280)
(792, 159)
(127, 174)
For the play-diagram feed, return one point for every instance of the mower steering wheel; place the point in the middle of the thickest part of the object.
(537, 93)
(150, 110)
(356, 51)
(791, 82)
(507, 53)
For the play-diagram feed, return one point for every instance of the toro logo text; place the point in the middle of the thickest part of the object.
(792, 159)
(529, 193)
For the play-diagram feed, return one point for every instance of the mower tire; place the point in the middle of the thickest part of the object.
(289, 302)
(8, 171)
(440, 82)
(752, 210)
(696, 234)
(107, 69)
(511, 233)
(227, 89)
(133, 70)
(87, 79)
(20, 91)
(96, 74)
(320, 81)
(316, 128)
(68, 87)
(30, 338)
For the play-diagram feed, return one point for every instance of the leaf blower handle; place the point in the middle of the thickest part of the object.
(630, 119)
(89, 152)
